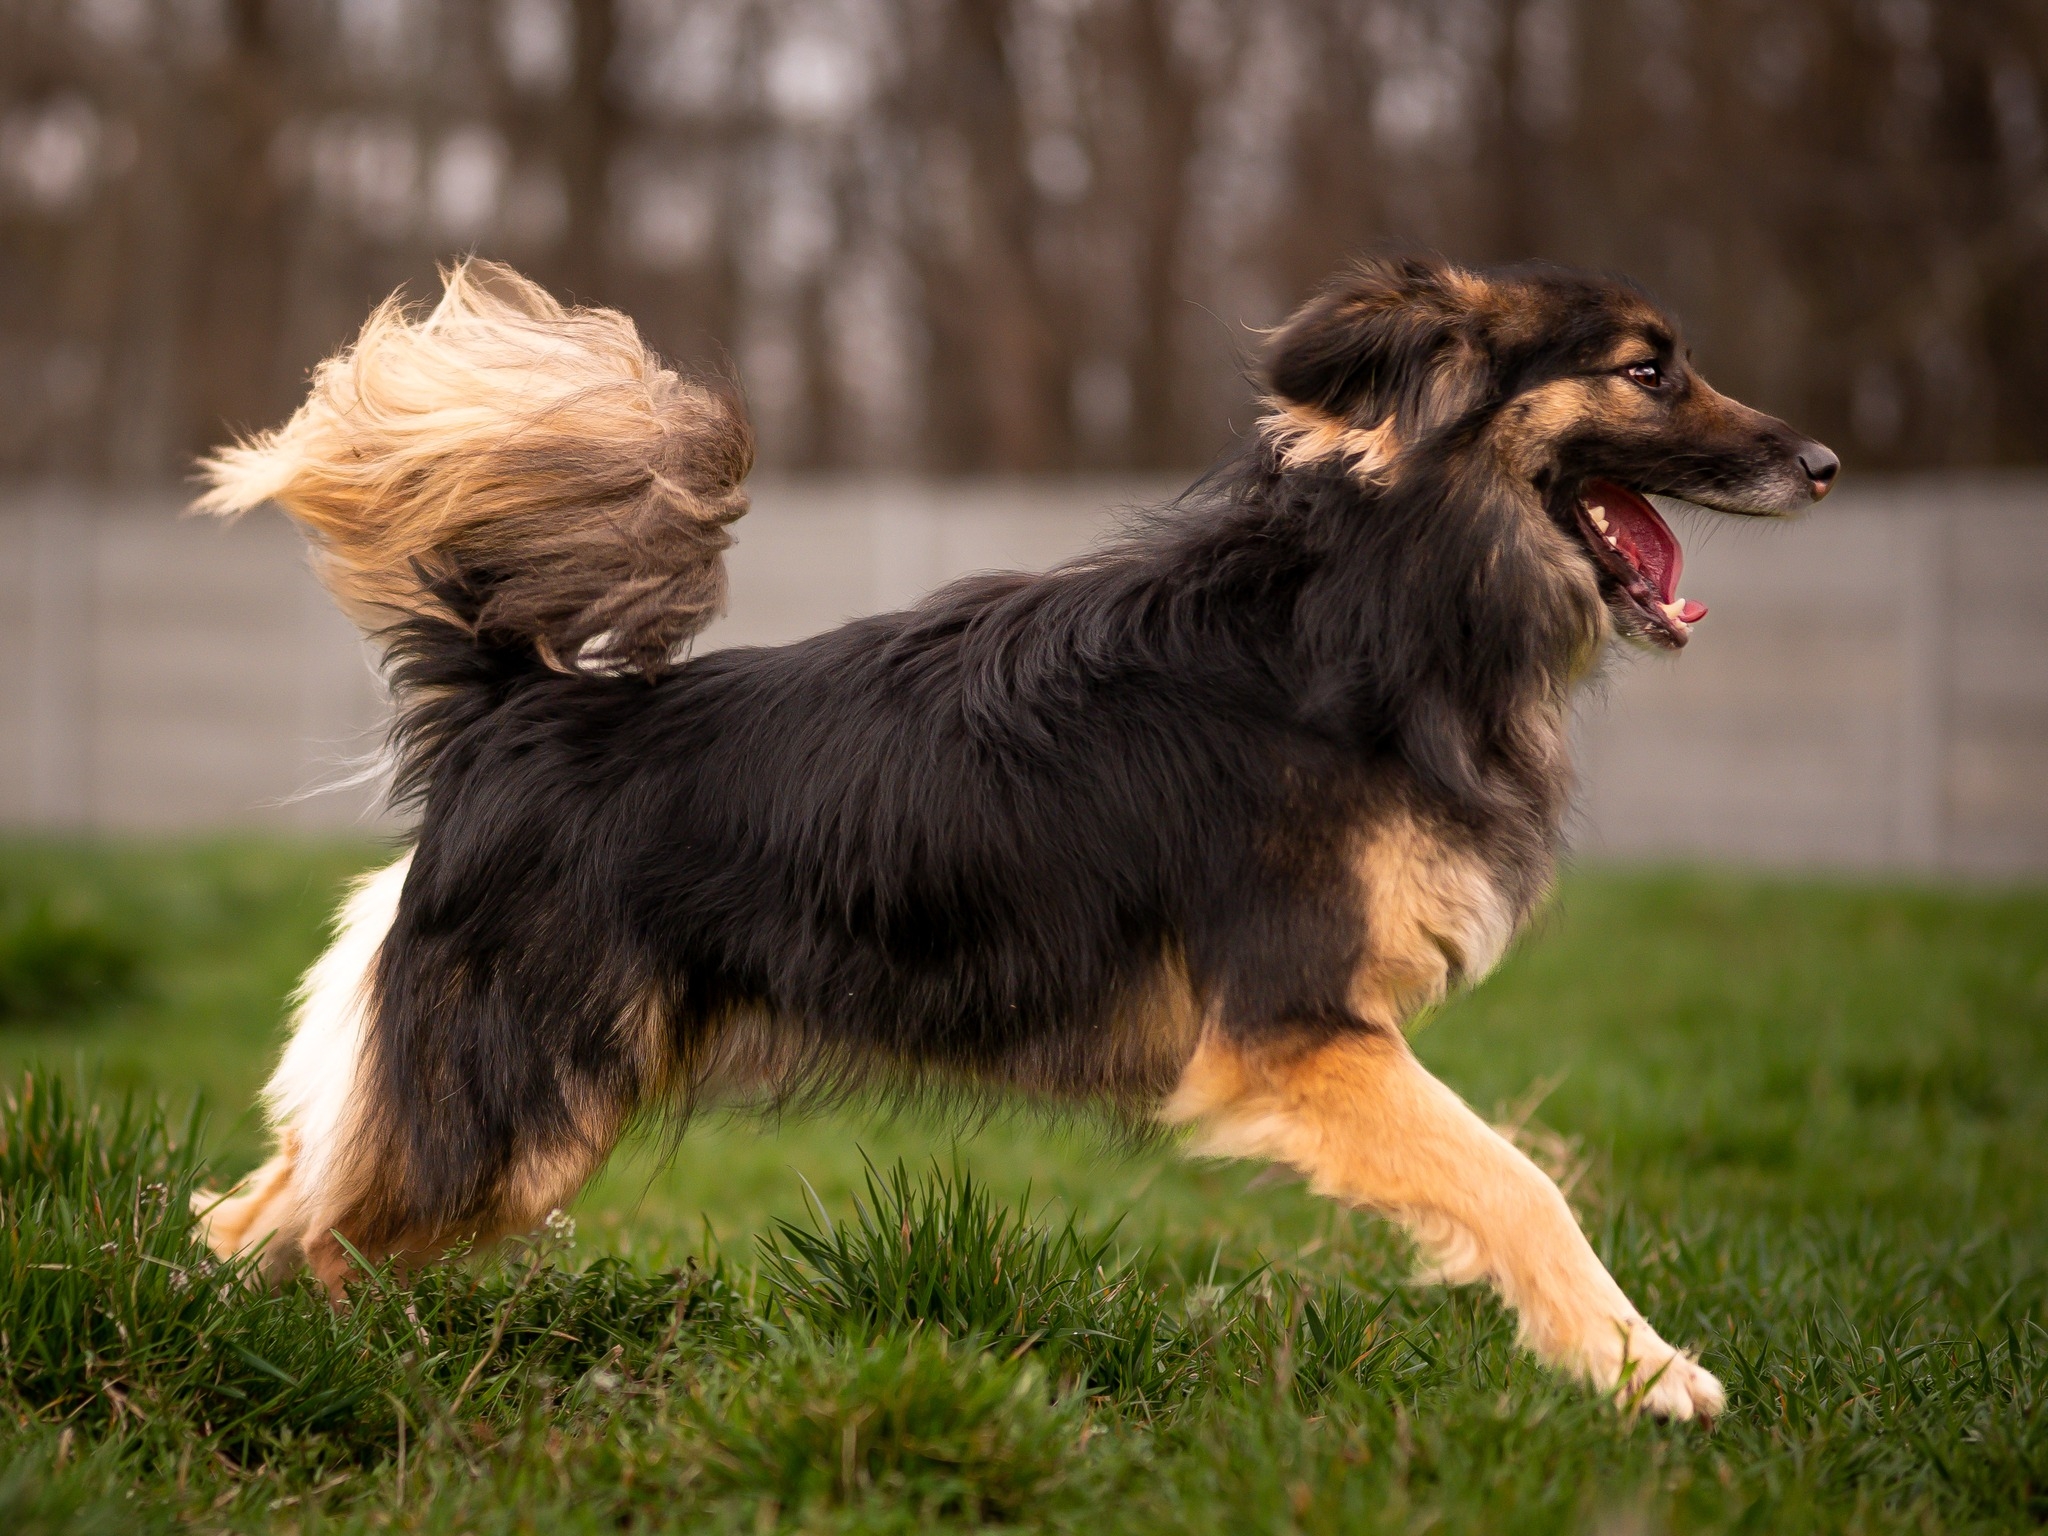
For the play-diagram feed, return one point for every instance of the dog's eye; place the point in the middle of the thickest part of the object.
(1649, 375)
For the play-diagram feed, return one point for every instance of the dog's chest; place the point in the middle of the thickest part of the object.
(1436, 918)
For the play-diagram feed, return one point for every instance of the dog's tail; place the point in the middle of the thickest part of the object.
(526, 472)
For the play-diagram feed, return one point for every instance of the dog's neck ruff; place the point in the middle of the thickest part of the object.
(1437, 620)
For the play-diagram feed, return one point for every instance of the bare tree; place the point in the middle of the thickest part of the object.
(1012, 234)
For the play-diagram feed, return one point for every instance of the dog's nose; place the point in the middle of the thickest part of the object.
(1820, 466)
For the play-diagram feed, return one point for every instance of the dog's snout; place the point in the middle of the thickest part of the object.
(1820, 465)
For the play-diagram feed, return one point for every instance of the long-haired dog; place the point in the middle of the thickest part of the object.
(1191, 825)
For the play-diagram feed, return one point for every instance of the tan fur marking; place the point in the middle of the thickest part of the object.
(1157, 1031)
(1453, 386)
(1366, 1124)
(645, 1038)
(1530, 426)
(1434, 921)
(260, 1210)
(1517, 317)
(1304, 435)
(546, 1178)
(1469, 288)
(1626, 349)
(543, 1179)
(749, 1057)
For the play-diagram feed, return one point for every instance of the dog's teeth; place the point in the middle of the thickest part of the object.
(1673, 609)
(1599, 519)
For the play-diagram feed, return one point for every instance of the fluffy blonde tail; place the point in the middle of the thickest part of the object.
(537, 460)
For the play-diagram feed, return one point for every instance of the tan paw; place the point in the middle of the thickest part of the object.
(1647, 1375)
(220, 1219)
(238, 1220)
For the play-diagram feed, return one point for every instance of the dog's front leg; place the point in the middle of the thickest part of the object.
(1363, 1120)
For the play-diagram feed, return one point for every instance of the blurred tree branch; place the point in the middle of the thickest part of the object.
(1012, 234)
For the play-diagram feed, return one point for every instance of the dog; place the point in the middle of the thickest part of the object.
(1191, 826)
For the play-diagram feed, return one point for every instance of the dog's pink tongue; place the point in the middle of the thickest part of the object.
(1643, 538)
(1645, 541)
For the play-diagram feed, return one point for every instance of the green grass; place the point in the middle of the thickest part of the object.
(1806, 1124)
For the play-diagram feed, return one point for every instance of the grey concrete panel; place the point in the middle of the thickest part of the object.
(172, 673)
(1869, 691)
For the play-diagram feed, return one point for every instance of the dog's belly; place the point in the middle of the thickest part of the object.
(1432, 916)
(1126, 1051)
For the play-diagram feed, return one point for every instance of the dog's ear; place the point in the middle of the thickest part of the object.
(1390, 338)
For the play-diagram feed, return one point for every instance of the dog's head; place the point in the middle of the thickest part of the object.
(1573, 386)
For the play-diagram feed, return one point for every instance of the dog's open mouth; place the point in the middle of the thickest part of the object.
(1638, 549)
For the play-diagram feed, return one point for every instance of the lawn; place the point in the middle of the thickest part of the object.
(1807, 1125)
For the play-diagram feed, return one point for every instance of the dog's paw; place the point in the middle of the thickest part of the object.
(1647, 1375)
(213, 1213)
(241, 1219)
(1682, 1389)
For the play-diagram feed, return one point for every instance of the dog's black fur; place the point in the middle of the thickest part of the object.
(960, 842)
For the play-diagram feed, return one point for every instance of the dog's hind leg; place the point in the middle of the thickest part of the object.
(540, 1182)
(412, 1215)
(1367, 1124)
(313, 1098)
(334, 1181)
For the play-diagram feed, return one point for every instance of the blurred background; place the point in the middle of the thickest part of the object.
(990, 270)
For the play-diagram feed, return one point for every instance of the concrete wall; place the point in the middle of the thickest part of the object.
(158, 673)
(1870, 690)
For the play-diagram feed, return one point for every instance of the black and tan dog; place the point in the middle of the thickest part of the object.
(1191, 825)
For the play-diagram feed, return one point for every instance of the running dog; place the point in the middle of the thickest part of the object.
(1190, 826)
